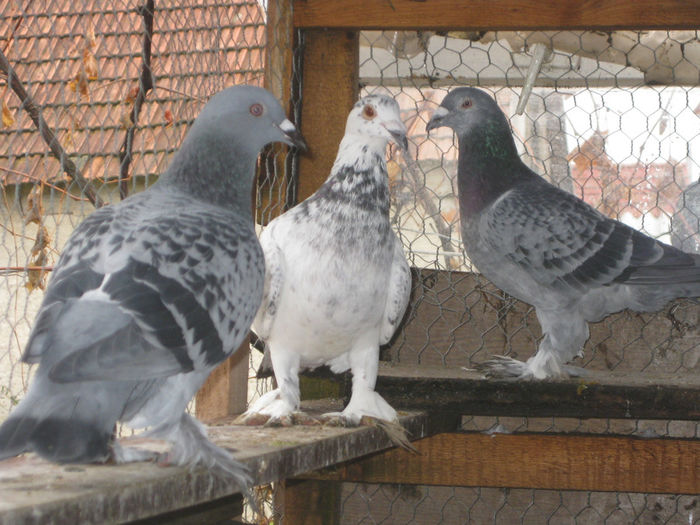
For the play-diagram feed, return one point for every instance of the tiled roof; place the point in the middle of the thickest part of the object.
(199, 47)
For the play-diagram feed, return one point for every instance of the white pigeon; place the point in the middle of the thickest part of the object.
(337, 282)
(148, 296)
(547, 247)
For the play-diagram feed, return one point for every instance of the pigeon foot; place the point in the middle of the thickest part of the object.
(502, 367)
(253, 419)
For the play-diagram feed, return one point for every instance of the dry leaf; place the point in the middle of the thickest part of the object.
(168, 118)
(8, 118)
(42, 241)
(90, 64)
(92, 41)
(125, 119)
(80, 84)
(131, 96)
(35, 205)
(37, 278)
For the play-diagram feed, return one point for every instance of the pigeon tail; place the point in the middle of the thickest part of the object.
(56, 438)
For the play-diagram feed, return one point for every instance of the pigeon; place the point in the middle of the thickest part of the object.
(548, 248)
(337, 283)
(148, 297)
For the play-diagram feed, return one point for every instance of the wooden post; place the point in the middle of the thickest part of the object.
(225, 392)
(273, 178)
(329, 88)
(308, 503)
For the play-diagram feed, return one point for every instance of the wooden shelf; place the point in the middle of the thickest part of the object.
(598, 395)
(34, 491)
(538, 461)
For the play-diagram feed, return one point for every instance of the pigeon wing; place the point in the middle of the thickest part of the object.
(559, 240)
(398, 294)
(274, 281)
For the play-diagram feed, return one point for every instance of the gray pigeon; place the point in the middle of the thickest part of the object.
(149, 296)
(548, 248)
(337, 281)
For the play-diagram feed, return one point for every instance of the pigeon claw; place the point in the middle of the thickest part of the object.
(502, 367)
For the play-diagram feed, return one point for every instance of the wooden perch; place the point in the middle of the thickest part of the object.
(47, 134)
(145, 85)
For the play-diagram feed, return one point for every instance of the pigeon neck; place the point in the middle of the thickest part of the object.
(219, 172)
(359, 174)
(488, 166)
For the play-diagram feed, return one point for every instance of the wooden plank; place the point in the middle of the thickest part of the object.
(598, 395)
(503, 14)
(225, 392)
(538, 461)
(329, 88)
(34, 491)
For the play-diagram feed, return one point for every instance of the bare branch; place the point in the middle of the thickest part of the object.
(47, 134)
(145, 85)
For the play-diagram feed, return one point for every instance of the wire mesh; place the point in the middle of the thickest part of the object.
(612, 118)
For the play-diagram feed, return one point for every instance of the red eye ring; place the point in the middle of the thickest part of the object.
(256, 110)
(467, 103)
(369, 112)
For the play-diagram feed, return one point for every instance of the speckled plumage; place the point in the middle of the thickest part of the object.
(337, 282)
(148, 296)
(547, 247)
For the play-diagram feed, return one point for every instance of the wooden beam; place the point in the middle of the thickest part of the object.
(537, 461)
(225, 392)
(330, 88)
(503, 15)
(311, 503)
(598, 395)
(273, 177)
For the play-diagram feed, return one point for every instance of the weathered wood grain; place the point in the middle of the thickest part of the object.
(330, 88)
(33, 491)
(598, 395)
(540, 461)
(504, 14)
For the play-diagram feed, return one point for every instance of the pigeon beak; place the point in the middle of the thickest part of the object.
(436, 120)
(292, 135)
(397, 130)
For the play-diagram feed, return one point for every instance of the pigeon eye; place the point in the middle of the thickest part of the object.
(256, 110)
(467, 103)
(369, 112)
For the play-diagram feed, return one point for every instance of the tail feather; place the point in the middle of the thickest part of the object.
(55, 439)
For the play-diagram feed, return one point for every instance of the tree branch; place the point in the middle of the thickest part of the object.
(67, 165)
(145, 85)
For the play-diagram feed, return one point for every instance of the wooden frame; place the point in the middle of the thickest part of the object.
(503, 15)
(330, 87)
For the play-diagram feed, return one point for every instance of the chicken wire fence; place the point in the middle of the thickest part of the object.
(612, 118)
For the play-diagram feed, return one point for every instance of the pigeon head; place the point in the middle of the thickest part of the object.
(247, 116)
(216, 161)
(377, 117)
(465, 109)
(480, 125)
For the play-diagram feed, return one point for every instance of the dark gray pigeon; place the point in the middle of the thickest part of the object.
(148, 297)
(337, 281)
(548, 248)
